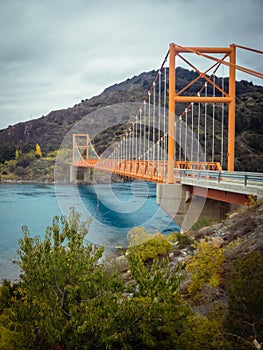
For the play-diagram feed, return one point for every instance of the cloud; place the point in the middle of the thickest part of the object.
(53, 51)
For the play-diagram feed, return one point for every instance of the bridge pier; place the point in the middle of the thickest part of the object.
(73, 174)
(184, 208)
(86, 173)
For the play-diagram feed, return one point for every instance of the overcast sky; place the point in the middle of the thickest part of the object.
(53, 53)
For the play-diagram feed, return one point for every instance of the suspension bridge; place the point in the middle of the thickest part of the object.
(182, 138)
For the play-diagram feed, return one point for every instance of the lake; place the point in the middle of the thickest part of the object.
(113, 208)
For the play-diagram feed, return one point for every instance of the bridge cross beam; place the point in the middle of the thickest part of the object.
(228, 98)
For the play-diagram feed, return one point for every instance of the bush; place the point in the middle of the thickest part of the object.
(244, 286)
(182, 239)
(148, 246)
(205, 267)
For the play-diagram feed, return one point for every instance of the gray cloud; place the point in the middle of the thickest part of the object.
(55, 52)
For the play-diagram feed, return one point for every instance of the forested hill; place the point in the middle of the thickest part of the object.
(49, 131)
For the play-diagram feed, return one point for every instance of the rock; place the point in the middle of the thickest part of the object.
(217, 242)
(122, 263)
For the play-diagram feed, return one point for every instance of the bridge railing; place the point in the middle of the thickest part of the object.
(240, 177)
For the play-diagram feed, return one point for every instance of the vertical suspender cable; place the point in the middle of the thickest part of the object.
(185, 136)
(140, 133)
(133, 142)
(213, 126)
(153, 128)
(175, 139)
(144, 127)
(222, 121)
(126, 147)
(136, 137)
(164, 114)
(159, 118)
(192, 138)
(149, 125)
(180, 138)
(198, 129)
(205, 122)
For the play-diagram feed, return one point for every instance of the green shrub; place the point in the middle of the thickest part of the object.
(148, 246)
(244, 286)
(182, 239)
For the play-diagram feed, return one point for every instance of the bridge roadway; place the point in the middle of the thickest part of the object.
(193, 194)
(231, 187)
(209, 194)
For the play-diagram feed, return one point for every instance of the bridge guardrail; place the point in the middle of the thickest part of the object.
(244, 178)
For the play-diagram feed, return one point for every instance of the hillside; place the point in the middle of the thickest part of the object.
(49, 131)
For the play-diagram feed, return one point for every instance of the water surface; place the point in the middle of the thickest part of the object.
(113, 208)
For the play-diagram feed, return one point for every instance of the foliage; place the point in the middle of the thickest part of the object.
(28, 166)
(69, 298)
(58, 275)
(161, 312)
(202, 222)
(203, 333)
(182, 239)
(205, 267)
(244, 285)
(38, 151)
(148, 246)
(7, 152)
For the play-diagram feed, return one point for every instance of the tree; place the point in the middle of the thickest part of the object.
(68, 298)
(244, 285)
(38, 151)
(148, 246)
(205, 267)
(61, 278)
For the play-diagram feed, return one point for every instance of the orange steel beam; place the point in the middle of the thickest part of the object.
(75, 145)
(228, 98)
(171, 115)
(151, 171)
(202, 99)
(184, 164)
(87, 145)
(190, 49)
(202, 75)
(223, 196)
(232, 110)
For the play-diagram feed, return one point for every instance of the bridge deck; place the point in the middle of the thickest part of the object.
(203, 179)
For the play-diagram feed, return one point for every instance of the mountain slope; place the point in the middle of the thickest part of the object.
(49, 131)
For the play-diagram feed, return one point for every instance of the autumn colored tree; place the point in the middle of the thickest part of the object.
(38, 151)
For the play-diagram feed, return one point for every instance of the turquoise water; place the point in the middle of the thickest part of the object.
(113, 208)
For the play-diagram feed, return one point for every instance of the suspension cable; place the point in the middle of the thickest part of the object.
(249, 49)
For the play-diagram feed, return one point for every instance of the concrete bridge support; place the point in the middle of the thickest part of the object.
(84, 174)
(184, 208)
(73, 174)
